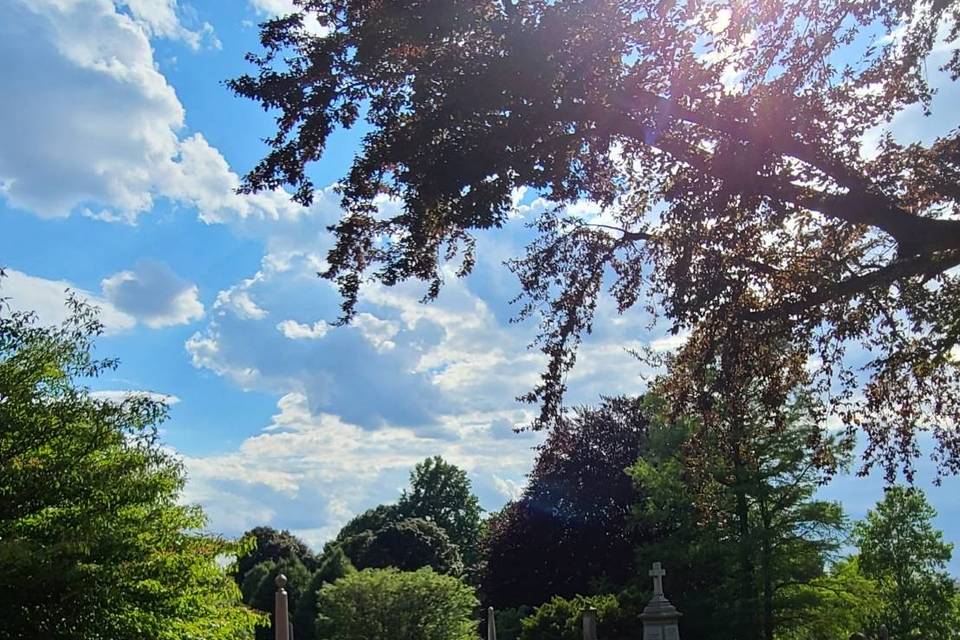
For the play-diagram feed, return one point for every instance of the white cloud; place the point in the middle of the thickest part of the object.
(88, 123)
(150, 294)
(296, 331)
(47, 298)
(318, 470)
(670, 342)
(509, 489)
(276, 8)
(154, 295)
(379, 333)
(164, 19)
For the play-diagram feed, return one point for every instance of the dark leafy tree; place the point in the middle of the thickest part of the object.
(263, 596)
(332, 566)
(94, 540)
(254, 578)
(441, 493)
(902, 551)
(407, 545)
(568, 534)
(753, 212)
(370, 520)
(509, 622)
(275, 545)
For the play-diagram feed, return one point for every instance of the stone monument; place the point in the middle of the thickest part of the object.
(660, 618)
(281, 615)
(491, 624)
(590, 624)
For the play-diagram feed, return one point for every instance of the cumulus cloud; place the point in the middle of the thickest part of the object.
(153, 294)
(47, 298)
(379, 333)
(167, 18)
(318, 470)
(88, 123)
(296, 331)
(275, 8)
(150, 294)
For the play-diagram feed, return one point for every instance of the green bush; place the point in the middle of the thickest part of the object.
(562, 619)
(387, 604)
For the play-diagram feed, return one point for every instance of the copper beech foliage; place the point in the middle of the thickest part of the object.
(726, 142)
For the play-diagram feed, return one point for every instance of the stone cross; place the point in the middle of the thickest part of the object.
(491, 625)
(657, 573)
(281, 616)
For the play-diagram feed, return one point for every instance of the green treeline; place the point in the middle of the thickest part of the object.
(95, 544)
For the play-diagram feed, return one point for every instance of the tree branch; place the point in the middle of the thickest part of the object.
(904, 268)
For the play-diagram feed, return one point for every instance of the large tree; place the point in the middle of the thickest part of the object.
(907, 557)
(743, 521)
(569, 533)
(95, 542)
(408, 545)
(441, 493)
(728, 143)
(271, 544)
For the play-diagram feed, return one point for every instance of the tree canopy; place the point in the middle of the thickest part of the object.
(271, 544)
(441, 493)
(741, 524)
(408, 545)
(728, 145)
(94, 541)
(907, 556)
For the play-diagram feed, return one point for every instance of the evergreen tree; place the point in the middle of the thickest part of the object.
(332, 566)
(742, 520)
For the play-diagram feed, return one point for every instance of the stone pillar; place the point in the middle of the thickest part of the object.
(281, 615)
(491, 624)
(590, 624)
(660, 618)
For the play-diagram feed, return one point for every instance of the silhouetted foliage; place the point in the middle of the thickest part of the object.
(568, 534)
(275, 545)
(753, 211)
(370, 520)
(408, 545)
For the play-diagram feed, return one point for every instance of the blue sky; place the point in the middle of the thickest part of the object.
(119, 153)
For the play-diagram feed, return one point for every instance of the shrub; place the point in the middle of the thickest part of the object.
(386, 604)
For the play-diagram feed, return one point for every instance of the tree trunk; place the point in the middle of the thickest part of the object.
(766, 570)
(748, 609)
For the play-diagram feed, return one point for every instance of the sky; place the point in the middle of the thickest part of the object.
(120, 153)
